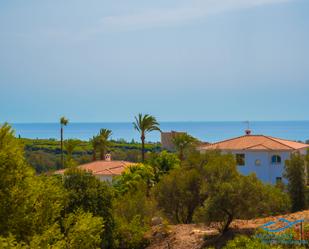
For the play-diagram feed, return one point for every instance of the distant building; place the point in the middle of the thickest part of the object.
(263, 155)
(167, 140)
(103, 170)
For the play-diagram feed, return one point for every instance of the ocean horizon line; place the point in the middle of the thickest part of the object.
(179, 121)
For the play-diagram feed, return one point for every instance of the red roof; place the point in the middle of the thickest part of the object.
(255, 142)
(103, 168)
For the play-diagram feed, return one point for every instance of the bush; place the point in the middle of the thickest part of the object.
(179, 193)
(245, 242)
(133, 212)
(91, 195)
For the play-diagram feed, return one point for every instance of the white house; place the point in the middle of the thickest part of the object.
(263, 155)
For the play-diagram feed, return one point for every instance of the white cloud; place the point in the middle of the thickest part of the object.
(197, 9)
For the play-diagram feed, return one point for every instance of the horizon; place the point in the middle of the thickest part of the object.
(176, 60)
(164, 121)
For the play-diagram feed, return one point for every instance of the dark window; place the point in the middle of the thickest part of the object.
(275, 159)
(278, 180)
(240, 159)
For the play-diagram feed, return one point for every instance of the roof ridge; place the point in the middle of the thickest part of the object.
(275, 140)
(231, 139)
(226, 140)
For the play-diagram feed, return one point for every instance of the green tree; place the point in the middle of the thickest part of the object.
(70, 146)
(162, 163)
(231, 195)
(295, 174)
(63, 122)
(143, 124)
(29, 204)
(132, 219)
(95, 145)
(183, 142)
(90, 194)
(83, 231)
(134, 177)
(178, 194)
(104, 143)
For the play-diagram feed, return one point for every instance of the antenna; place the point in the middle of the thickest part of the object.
(247, 131)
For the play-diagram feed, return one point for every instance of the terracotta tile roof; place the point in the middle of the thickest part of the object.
(103, 168)
(255, 142)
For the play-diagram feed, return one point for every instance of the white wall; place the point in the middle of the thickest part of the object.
(266, 171)
(105, 178)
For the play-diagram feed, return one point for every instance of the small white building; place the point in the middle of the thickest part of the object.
(103, 170)
(263, 155)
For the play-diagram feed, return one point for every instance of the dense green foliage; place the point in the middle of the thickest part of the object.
(32, 208)
(79, 211)
(91, 195)
(162, 163)
(295, 173)
(245, 242)
(45, 154)
(183, 142)
(231, 195)
(179, 193)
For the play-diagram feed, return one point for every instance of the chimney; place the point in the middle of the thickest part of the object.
(248, 132)
(108, 157)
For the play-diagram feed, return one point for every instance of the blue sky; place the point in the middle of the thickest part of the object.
(194, 60)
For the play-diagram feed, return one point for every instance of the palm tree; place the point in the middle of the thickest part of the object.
(143, 124)
(182, 141)
(95, 144)
(104, 142)
(63, 122)
(70, 145)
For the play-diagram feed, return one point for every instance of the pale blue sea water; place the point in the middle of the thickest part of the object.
(205, 131)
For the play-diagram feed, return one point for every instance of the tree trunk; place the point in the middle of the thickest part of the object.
(143, 147)
(61, 145)
(227, 224)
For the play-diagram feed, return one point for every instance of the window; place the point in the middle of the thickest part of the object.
(278, 180)
(257, 162)
(275, 159)
(240, 159)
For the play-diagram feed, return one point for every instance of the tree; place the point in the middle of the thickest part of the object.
(295, 174)
(103, 141)
(178, 194)
(70, 145)
(95, 145)
(63, 122)
(29, 204)
(162, 163)
(83, 231)
(182, 142)
(132, 219)
(144, 124)
(90, 194)
(133, 178)
(231, 195)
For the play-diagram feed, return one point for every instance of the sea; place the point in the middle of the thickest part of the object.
(204, 131)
